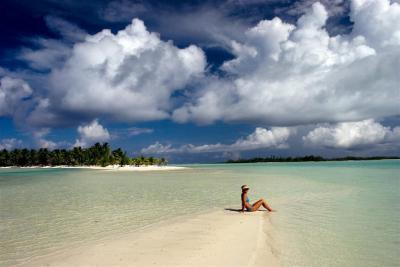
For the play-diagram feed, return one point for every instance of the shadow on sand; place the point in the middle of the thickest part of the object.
(230, 209)
(238, 210)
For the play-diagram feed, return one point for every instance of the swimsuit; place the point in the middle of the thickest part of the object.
(248, 201)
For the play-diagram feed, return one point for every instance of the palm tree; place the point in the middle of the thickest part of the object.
(43, 155)
(99, 154)
(163, 161)
(125, 159)
(4, 158)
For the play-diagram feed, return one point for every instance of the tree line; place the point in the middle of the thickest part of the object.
(303, 159)
(98, 154)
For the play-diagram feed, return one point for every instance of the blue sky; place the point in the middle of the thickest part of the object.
(202, 81)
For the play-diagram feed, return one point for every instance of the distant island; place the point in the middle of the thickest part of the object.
(96, 155)
(305, 158)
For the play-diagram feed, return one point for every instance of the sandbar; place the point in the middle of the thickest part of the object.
(216, 238)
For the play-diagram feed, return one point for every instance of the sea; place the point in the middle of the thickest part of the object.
(329, 213)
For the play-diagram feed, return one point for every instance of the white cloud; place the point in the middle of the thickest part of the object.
(129, 132)
(352, 135)
(138, 131)
(260, 138)
(297, 74)
(41, 141)
(51, 54)
(13, 93)
(44, 143)
(91, 133)
(378, 21)
(129, 75)
(42, 55)
(282, 75)
(10, 143)
(231, 155)
(209, 23)
(158, 148)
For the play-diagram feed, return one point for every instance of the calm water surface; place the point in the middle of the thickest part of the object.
(330, 214)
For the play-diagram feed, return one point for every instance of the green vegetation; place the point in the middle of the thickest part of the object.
(99, 155)
(305, 158)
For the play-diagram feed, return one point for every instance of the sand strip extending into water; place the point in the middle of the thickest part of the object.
(219, 238)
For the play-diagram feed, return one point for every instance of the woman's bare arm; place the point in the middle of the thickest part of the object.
(243, 203)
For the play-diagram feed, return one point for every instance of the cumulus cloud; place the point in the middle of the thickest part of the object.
(91, 133)
(285, 74)
(276, 137)
(13, 96)
(378, 21)
(261, 137)
(129, 75)
(10, 143)
(282, 74)
(347, 135)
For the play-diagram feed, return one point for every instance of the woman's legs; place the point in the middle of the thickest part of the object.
(262, 202)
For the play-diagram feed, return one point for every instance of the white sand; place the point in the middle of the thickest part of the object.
(131, 168)
(113, 168)
(220, 238)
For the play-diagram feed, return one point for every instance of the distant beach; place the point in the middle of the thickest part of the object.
(131, 168)
(108, 168)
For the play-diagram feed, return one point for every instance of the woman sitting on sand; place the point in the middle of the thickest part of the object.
(246, 202)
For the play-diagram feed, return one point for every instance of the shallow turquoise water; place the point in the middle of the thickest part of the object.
(329, 214)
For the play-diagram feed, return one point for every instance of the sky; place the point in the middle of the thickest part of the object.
(202, 81)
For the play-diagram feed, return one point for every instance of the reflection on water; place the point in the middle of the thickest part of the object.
(330, 214)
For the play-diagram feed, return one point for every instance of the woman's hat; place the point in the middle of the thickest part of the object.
(244, 187)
